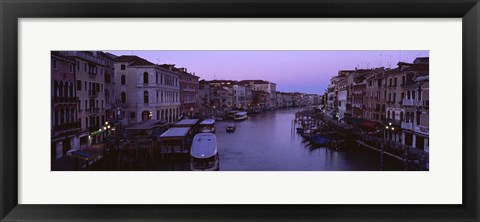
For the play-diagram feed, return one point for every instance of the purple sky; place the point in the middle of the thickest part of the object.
(292, 71)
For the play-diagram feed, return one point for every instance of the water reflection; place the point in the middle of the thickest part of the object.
(266, 142)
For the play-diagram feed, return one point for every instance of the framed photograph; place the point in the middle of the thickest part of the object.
(225, 110)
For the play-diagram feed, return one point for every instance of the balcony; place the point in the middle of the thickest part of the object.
(406, 102)
(67, 127)
(407, 126)
(421, 129)
(65, 99)
(93, 111)
(92, 93)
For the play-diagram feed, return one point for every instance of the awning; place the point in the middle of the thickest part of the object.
(361, 122)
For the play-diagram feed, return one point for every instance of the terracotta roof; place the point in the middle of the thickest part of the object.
(126, 58)
(141, 62)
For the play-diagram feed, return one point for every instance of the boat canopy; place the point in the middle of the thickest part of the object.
(208, 122)
(186, 122)
(204, 145)
(175, 132)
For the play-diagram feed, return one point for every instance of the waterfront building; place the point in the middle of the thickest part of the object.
(342, 96)
(89, 71)
(146, 90)
(189, 86)
(376, 94)
(239, 96)
(415, 124)
(263, 86)
(205, 101)
(248, 97)
(112, 109)
(64, 125)
(359, 90)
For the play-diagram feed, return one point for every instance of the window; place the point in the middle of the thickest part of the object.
(122, 81)
(122, 67)
(78, 65)
(413, 95)
(107, 77)
(79, 85)
(390, 82)
(70, 68)
(394, 97)
(402, 96)
(395, 82)
(132, 115)
(123, 97)
(85, 85)
(418, 118)
(145, 97)
(145, 77)
(54, 64)
(85, 66)
(401, 116)
(403, 80)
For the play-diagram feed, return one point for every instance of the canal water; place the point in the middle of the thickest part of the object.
(265, 142)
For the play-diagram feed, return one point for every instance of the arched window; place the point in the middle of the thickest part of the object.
(145, 96)
(401, 116)
(393, 115)
(56, 118)
(146, 115)
(107, 97)
(62, 117)
(145, 77)
(122, 80)
(55, 87)
(60, 89)
(123, 97)
(107, 77)
(65, 89)
(71, 89)
(388, 115)
(72, 115)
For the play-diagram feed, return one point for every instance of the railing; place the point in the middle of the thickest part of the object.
(92, 93)
(67, 126)
(422, 129)
(408, 126)
(93, 110)
(65, 99)
(406, 102)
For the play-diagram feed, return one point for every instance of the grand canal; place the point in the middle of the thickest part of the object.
(265, 142)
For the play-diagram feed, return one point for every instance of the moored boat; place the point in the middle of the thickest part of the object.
(240, 116)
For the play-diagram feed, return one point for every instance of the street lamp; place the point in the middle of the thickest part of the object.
(191, 111)
(338, 118)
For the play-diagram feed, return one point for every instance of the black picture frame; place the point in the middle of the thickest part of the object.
(11, 11)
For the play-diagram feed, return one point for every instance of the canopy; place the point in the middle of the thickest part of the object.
(361, 122)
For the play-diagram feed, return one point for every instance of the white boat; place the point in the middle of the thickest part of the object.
(203, 153)
(240, 116)
(207, 126)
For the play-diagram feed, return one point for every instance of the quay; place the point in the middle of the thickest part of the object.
(314, 121)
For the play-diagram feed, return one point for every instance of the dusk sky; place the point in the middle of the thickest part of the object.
(292, 71)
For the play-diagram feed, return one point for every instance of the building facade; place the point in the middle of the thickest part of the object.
(64, 125)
